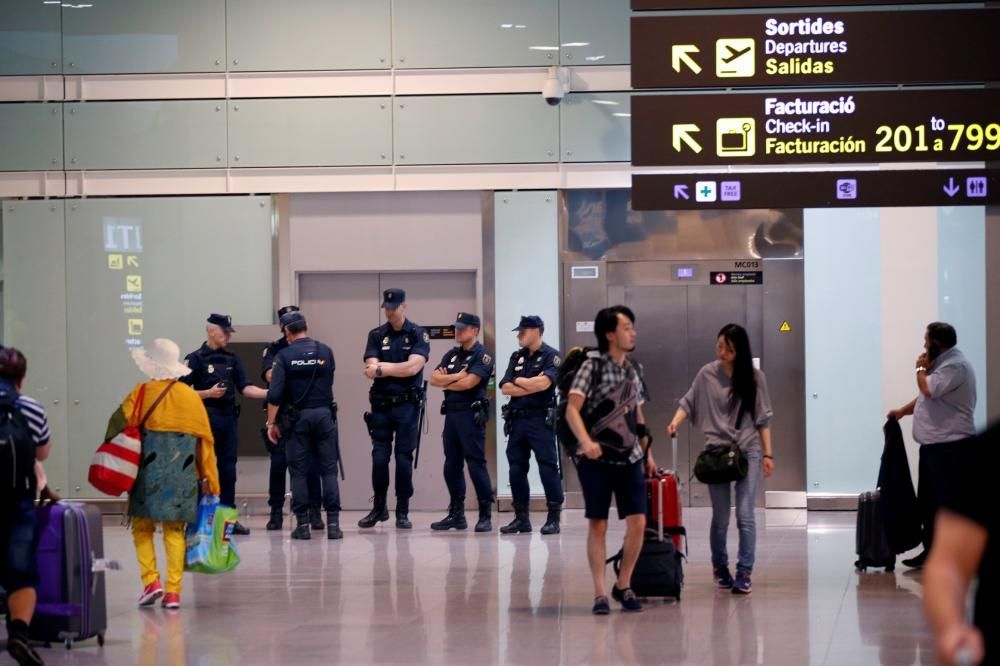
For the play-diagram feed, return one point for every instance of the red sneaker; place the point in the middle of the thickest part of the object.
(151, 593)
(171, 601)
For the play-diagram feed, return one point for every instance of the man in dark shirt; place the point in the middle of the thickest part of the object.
(967, 538)
(217, 375)
(279, 459)
(464, 373)
(302, 389)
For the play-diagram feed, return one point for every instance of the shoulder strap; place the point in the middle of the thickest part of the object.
(156, 403)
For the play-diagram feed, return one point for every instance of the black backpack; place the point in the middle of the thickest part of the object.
(659, 571)
(570, 365)
(17, 451)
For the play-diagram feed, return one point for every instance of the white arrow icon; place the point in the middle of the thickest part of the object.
(682, 134)
(680, 53)
(951, 189)
(681, 192)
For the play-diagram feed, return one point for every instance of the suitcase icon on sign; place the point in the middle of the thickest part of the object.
(736, 137)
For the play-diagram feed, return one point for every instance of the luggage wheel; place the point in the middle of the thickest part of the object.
(100, 639)
(68, 643)
(890, 569)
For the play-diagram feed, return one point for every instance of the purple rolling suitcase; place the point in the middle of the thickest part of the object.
(71, 600)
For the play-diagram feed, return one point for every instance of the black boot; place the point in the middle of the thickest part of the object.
(276, 521)
(378, 514)
(333, 525)
(551, 525)
(485, 509)
(302, 530)
(17, 644)
(403, 514)
(521, 523)
(455, 520)
(315, 518)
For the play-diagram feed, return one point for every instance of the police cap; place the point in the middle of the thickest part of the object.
(393, 298)
(225, 322)
(530, 321)
(294, 317)
(285, 310)
(466, 319)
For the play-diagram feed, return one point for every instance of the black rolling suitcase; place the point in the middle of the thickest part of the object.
(871, 543)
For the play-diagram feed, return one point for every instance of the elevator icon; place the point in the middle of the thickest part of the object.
(736, 137)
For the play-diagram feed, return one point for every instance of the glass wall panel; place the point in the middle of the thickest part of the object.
(475, 33)
(31, 137)
(308, 35)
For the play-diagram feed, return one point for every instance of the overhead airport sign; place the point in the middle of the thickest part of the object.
(640, 5)
(828, 189)
(816, 127)
(959, 45)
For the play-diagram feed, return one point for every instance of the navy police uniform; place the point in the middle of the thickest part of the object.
(302, 387)
(526, 422)
(466, 413)
(279, 458)
(395, 404)
(208, 368)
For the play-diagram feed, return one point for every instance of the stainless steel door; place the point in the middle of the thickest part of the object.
(341, 309)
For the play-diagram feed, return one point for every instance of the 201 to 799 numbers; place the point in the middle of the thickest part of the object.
(903, 139)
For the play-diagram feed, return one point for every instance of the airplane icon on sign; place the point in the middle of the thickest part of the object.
(735, 53)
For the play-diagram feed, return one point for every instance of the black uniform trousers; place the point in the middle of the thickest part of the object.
(527, 434)
(313, 434)
(465, 443)
(224, 431)
(279, 474)
(401, 421)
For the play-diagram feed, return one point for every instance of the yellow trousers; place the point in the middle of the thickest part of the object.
(173, 542)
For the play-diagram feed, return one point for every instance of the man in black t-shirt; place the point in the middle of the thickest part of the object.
(967, 541)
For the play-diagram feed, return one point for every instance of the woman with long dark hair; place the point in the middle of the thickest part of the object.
(729, 401)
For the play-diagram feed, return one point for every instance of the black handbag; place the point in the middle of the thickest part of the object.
(721, 463)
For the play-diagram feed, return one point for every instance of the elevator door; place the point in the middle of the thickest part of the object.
(677, 329)
(341, 309)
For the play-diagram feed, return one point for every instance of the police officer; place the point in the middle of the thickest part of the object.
(530, 382)
(279, 460)
(394, 360)
(217, 376)
(463, 374)
(301, 413)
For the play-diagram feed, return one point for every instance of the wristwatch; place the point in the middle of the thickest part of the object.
(378, 370)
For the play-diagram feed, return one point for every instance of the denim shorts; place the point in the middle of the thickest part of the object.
(18, 546)
(599, 481)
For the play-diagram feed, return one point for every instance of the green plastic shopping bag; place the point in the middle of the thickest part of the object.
(210, 546)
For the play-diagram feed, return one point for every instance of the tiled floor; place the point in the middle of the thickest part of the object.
(392, 597)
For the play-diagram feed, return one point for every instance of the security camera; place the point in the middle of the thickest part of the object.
(556, 85)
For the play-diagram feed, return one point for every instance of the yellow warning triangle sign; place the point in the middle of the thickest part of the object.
(785, 327)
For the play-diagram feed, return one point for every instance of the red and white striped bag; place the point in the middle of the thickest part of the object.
(115, 466)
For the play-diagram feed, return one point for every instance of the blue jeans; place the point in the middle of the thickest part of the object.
(746, 493)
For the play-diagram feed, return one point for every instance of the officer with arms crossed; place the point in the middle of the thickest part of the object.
(463, 374)
(301, 412)
(279, 461)
(394, 360)
(530, 382)
(217, 375)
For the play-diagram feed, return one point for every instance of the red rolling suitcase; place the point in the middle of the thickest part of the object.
(663, 498)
